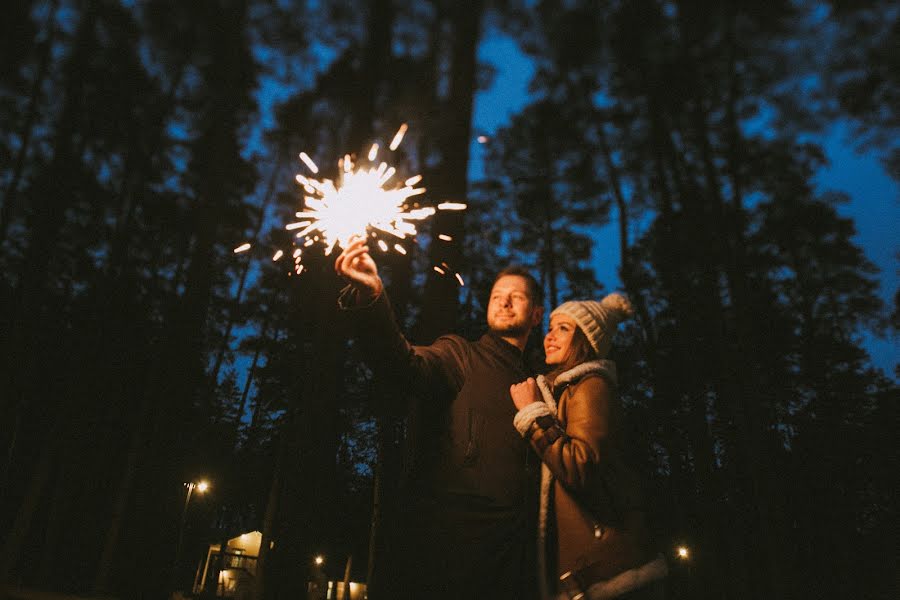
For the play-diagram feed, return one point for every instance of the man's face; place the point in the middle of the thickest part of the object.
(510, 310)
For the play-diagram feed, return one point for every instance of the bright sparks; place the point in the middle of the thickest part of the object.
(398, 137)
(360, 201)
(242, 248)
(365, 200)
(309, 162)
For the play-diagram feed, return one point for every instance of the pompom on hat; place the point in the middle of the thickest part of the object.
(598, 320)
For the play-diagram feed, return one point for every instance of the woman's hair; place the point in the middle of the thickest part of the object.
(580, 350)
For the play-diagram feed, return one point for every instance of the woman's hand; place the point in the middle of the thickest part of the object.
(525, 393)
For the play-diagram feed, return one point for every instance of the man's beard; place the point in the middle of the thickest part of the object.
(510, 329)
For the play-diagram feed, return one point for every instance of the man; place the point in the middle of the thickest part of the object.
(472, 526)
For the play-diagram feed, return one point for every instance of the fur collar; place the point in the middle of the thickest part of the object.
(603, 368)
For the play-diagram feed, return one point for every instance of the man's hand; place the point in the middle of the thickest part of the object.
(525, 393)
(356, 265)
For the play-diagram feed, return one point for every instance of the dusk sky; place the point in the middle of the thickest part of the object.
(875, 197)
(875, 204)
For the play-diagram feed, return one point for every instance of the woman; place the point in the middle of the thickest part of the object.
(593, 533)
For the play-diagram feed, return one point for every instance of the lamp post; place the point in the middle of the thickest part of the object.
(201, 487)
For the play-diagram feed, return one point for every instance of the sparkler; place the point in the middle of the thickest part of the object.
(362, 200)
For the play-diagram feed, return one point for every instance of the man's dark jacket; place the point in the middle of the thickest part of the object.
(478, 479)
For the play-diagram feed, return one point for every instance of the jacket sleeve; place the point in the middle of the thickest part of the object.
(438, 367)
(576, 454)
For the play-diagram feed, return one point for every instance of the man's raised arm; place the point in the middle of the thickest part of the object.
(384, 345)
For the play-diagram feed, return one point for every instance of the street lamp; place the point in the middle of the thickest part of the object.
(319, 560)
(683, 552)
(201, 487)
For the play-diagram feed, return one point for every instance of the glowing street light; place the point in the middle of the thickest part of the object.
(319, 560)
(201, 487)
(683, 552)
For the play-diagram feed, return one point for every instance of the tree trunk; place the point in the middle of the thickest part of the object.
(12, 190)
(441, 301)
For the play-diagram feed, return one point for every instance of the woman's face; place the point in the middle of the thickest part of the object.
(558, 340)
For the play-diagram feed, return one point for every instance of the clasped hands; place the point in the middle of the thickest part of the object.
(525, 393)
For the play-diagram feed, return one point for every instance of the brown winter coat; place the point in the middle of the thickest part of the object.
(590, 497)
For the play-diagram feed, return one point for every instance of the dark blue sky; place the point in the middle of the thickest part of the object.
(875, 197)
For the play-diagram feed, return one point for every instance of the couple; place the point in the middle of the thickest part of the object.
(513, 464)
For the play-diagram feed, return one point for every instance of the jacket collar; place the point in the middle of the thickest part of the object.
(605, 368)
(498, 342)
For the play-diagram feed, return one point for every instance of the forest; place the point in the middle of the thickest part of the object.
(142, 142)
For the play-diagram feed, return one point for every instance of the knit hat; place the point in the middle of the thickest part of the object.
(598, 320)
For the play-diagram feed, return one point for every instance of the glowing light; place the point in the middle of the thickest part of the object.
(445, 237)
(278, 255)
(362, 201)
(439, 270)
(202, 486)
(309, 162)
(358, 202)
(482, 139)
(683, 552)
(319, 560)
(460, 279)
(398, 137)
(242, 248)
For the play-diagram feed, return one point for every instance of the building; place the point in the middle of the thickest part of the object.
(238, 574)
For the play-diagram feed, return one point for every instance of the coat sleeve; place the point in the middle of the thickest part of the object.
(575, 453)
(438, 368)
